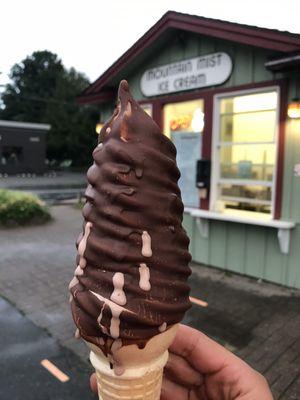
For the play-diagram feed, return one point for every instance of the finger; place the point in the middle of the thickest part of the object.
(180, 371)
(172, 391)
(204, 354)
(93, 383)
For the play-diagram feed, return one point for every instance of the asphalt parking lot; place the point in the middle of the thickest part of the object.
(23, 347)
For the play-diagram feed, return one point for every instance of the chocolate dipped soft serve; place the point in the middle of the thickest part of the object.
(130, 283)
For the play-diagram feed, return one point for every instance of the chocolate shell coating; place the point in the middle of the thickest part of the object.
(133, 251)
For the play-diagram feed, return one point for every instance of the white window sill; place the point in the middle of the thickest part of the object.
(283, 227)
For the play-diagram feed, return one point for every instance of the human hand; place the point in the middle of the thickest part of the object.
(93, 383)
(201, 369)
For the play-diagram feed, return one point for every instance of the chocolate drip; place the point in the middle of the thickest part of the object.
(134, 214)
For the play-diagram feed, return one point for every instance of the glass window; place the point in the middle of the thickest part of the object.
(186, 116)
(183, 124)
(245, 153)
(12, 155)
(147, 108)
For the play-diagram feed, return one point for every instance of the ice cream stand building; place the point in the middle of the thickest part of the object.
(228, 96)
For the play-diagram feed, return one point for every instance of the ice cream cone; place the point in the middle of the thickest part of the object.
(130, 287)
(141, 369)
(140, 383)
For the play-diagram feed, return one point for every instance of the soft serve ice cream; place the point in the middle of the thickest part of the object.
(130, 282)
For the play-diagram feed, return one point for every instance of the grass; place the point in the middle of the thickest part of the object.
(20, 208)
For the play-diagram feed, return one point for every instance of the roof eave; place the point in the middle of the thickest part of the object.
(283, 63)
(105, 96)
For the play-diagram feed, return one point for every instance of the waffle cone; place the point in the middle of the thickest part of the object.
(141, 378)
(140, 383)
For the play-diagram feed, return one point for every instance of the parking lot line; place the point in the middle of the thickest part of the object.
(54, 370)
(199, 302)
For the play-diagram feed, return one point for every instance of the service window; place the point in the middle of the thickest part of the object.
(244, 153)
(183, 124)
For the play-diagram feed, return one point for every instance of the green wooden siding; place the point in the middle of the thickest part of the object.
(246, 249)
(293, 268)
(248, 62)
(255, 254)
(291, 187)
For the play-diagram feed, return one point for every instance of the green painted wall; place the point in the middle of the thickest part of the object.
(245, 249)
(291, 189)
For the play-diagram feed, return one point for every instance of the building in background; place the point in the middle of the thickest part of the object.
(227, 96)
(22, 147)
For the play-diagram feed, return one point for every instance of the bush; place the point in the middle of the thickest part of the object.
(19, 208)
(79, 204)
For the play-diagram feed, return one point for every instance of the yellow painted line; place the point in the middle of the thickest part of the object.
(199, 302)
(54, 371)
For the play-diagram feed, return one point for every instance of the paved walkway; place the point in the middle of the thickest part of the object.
(23, 346)
(36, 266)
(258, 321)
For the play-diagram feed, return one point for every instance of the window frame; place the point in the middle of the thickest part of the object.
(215, 148)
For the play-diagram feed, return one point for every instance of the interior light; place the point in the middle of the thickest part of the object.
(98, 128)
(255, 102)
(294, 109)
(197, 123)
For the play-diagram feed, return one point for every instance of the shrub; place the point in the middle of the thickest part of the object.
(20, 208)
(79, 204)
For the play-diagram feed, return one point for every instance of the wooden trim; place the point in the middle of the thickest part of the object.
(280, 148)
(253, 36)
(204, 93)
(239, 29)
(150, 36)
(157, 114)
(242, 38)
(207, 140)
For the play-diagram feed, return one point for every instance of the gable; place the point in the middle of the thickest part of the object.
(174, 24)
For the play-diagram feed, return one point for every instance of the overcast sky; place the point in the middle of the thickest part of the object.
(91, 34)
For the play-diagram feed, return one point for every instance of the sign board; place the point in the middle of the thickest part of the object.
(198, 72)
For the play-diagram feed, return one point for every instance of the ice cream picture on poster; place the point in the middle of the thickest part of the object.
(129, 290)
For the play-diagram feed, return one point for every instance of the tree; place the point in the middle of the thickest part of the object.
(43, 90)
(73, 126)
